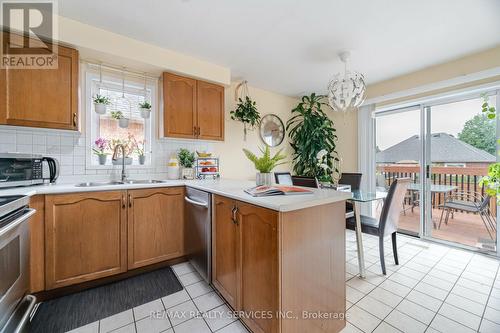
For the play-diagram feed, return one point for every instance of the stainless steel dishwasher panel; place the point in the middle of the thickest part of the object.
(198, 231)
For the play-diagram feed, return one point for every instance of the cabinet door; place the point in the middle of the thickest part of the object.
(225, 251)
(45, 98)
(179, 110)
(86, 237)
(155, 225)
(37, 244)
(210, 102)
(259, 265)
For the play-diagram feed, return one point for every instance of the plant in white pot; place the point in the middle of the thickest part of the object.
(265, 164)
(140, 149)
(145, 109)
(99, 149)
(186, 160)
(122, 121)
(100, 103)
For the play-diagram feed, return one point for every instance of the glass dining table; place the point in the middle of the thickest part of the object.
(359, 197)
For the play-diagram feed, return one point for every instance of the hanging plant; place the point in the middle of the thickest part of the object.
(246, 110)
(122, 121)
(145, 109)
(313, 138)
(100, 103)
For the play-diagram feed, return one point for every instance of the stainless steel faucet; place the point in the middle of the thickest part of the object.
(115, 153)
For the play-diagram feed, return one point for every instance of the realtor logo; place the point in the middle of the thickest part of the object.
(28, 35)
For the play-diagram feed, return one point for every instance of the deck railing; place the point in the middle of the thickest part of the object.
(466, 179)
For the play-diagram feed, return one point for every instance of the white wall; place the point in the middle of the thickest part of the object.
(234, 164)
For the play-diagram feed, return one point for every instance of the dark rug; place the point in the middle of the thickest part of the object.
(69, 312)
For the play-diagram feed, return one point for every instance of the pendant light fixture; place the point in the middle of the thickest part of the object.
(346, 91)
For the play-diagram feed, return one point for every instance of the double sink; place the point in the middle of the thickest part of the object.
(125, 182)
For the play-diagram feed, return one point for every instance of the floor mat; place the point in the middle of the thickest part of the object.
(69, 312)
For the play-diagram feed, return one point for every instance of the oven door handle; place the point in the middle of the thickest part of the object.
(29, 212)
(26, 315)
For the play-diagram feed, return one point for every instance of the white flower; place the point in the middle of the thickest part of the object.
(321, 154)
(324, 166)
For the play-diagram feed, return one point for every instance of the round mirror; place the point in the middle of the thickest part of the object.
(272, 130)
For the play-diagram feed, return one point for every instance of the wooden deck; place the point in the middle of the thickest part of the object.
(467, 229)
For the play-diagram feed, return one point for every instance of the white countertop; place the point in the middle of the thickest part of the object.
(229, 188)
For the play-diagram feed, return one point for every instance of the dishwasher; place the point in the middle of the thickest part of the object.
(198, 231)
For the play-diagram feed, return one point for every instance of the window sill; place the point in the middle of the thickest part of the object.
(111, 167)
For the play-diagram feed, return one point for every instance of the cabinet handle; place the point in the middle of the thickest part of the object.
(233, 217)
(198, 131)
(124, 203)
(194, 130)
(75, 119)
(130, 200)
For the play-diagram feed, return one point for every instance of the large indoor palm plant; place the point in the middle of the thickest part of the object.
(311, 131)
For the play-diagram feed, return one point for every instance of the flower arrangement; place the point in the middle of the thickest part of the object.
(100, 145)
(127, 145)
(139, 147)
(99, 99)
(116, 115)
(145, 105)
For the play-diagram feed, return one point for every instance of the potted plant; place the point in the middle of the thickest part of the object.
(100, 103)
(186, 160)
(145, 109)
(99, 149)
(264, 164)
(122, 121)
(311, 131)
(246, 112)
(127, 144)
(140, 149)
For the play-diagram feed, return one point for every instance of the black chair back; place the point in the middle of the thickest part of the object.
(305, 181)
(351, 178)
(389, 218)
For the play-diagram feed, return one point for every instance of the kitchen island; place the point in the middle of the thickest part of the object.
(279, 261)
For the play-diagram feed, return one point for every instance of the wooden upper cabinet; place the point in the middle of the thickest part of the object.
(85, 237)
(155, 225)
(179, 111)
(210, 101)
(192, 109)
(45, 98)
(225, 256)
(259, 265)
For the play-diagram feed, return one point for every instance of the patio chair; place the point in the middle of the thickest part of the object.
(470, 202)
(389, 219)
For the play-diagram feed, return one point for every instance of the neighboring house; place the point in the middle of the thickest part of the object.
(445, 149)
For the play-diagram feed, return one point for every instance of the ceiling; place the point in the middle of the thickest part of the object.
(291, 46)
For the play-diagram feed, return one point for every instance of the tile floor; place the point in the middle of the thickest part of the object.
(434, 289)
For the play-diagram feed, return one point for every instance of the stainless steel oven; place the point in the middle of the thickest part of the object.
(14, 263)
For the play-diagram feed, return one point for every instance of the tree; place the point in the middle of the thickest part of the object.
(480, 132)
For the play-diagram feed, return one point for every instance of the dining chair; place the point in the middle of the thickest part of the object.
(283, 178)
(388, 222)
(305, 181)
(354, 180)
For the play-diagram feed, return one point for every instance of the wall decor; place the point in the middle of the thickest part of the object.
(272, 130)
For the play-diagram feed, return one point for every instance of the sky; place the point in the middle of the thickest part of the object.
(449, 118)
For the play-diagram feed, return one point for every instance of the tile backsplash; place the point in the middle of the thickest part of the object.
(71, 150)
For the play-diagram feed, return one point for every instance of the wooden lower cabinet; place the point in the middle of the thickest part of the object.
(85, 236)
(37, 244)
(278, 268)
(245, 260)
(225, 253)
(155, 225)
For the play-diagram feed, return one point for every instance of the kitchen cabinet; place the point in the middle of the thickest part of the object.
(155, 225)
(225, 254)
(86, 237)
(179, 109)
(272, 266)
(245, 260)
(210, 105)
(46, 98)
(192, 108)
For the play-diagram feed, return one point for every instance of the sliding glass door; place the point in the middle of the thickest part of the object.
(461, 143)
(445, 147)
(398, 154)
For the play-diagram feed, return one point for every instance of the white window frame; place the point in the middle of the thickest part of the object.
(90, 78)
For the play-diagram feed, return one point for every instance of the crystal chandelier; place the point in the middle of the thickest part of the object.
(346, 92)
